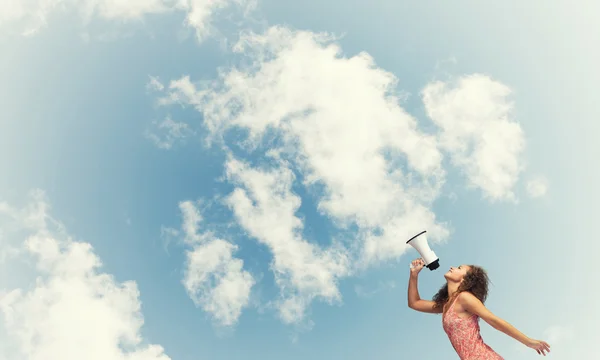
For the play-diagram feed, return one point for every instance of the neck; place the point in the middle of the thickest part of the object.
(452, 288)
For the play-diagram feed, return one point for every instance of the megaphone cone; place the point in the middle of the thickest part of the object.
(419, 242)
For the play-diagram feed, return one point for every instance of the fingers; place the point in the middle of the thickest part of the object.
(417, 262)
(542, 348)
(546, 346)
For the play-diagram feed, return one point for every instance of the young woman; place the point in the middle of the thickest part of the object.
(460, 301)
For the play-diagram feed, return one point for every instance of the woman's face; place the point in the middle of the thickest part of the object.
(456, 274)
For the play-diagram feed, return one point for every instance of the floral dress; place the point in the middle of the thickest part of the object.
(465, 336)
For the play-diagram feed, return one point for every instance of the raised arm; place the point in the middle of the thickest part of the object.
(474, 306)
(414, 300)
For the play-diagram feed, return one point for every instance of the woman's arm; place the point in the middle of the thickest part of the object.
(473, 305)
(414, 300)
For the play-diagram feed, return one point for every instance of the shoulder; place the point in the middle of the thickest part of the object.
(468, 300)
(473, 305)
(466, 296)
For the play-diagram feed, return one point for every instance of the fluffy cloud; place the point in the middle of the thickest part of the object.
(338, 122)
(72, 311)
(32, 15)
(214, 279)
(537, 187)
(335, 125)
(265, 206)
(341, 126)
(476, 128)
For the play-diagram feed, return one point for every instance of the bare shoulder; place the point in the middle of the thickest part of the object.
(467, 298)
(467, 302)
(473, 305)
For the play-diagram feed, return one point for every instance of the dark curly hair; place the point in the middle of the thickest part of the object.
(475, 281)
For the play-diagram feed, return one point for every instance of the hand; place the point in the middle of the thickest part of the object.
(416, 266)
(540, 346)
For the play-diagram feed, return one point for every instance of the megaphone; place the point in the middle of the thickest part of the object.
(419, 242)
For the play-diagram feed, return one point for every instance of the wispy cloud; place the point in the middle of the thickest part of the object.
(154, 84)
(199, 13)
(73, 311)
(537, 187)
(166, 133)
(474, 115)
(559, 334)
(32, 16)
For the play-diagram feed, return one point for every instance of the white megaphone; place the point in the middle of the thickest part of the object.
(419, 242)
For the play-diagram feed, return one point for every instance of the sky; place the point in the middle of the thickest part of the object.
(236, 179)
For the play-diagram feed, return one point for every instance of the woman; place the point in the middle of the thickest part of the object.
(460, 301)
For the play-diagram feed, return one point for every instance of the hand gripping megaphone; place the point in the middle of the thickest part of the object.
(419, 242)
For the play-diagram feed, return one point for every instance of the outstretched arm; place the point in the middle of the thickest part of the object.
(414, 300)
(475, 306)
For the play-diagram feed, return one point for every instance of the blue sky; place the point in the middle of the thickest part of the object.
(487, 142)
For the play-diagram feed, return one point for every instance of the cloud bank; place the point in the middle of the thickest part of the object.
(306, 115)
(73, 310)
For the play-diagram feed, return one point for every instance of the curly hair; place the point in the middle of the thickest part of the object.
(475, 281)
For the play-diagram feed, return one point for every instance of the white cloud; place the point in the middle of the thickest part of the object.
(477, 129)
(33, 15)
(230, 295)
(342, 127)
(124, 9)
(338, 122)
(154, 84)
(265, 206)
(199, 13)
(73, 311)
(537, 187)
(167, 132)
(213, 278)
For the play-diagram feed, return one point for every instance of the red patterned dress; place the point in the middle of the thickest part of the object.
(465, 337)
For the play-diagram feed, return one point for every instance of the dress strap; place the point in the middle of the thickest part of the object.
(454, 301)
(452, 304)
